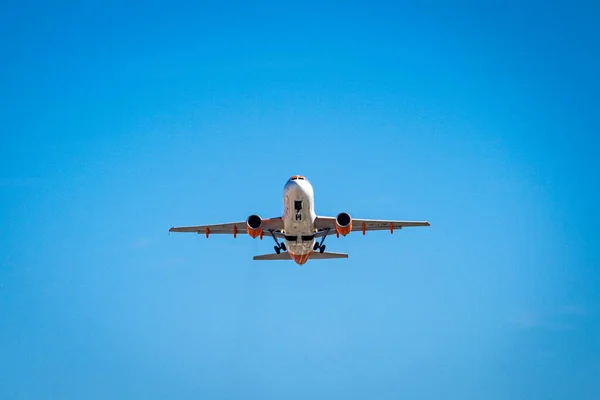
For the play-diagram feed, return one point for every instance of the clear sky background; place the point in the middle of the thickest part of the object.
(121, 120)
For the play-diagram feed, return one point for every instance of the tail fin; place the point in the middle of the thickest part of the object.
(286, 256)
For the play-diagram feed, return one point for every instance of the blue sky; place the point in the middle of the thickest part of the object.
(119, 121)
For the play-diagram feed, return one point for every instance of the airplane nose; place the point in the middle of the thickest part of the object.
(298, 188)
(292, 185)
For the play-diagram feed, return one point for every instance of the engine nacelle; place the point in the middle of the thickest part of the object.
(343, 224)
(254, 226)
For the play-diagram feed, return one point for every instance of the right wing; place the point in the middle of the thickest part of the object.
(270, 225)
(327, 224)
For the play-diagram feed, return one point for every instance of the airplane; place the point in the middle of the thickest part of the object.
(303, 231)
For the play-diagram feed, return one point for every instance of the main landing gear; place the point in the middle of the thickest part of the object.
(320, 246)
(280, 246)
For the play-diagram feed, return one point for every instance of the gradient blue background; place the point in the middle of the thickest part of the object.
(120, 120)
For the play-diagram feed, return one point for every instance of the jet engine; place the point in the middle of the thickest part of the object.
(254, 226)
(343, 223)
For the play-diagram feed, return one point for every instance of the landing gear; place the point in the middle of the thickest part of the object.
(320, 246)
(280, 246)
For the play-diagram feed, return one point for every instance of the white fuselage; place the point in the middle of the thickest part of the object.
(298, 219)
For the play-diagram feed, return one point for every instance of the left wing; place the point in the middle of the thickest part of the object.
(271, 227)
(327, 224)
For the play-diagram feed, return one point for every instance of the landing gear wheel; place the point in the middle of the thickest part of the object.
(321, 246)
(280, 246)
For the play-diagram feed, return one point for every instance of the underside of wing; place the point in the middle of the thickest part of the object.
(327, 225)
(270, 227)
(380, 224)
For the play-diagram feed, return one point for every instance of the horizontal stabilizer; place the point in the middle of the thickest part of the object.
(325, 255)
(273, 256)
(286, 256)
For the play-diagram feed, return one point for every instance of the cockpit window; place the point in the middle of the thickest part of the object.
(293, 178)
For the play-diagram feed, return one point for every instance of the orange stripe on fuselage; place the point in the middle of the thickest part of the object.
(300, 259)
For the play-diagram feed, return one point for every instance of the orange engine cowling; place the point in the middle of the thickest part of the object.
(254, 226)
(343, 223)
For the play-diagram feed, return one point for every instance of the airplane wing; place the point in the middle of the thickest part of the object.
(326, 225)
(271, 227)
